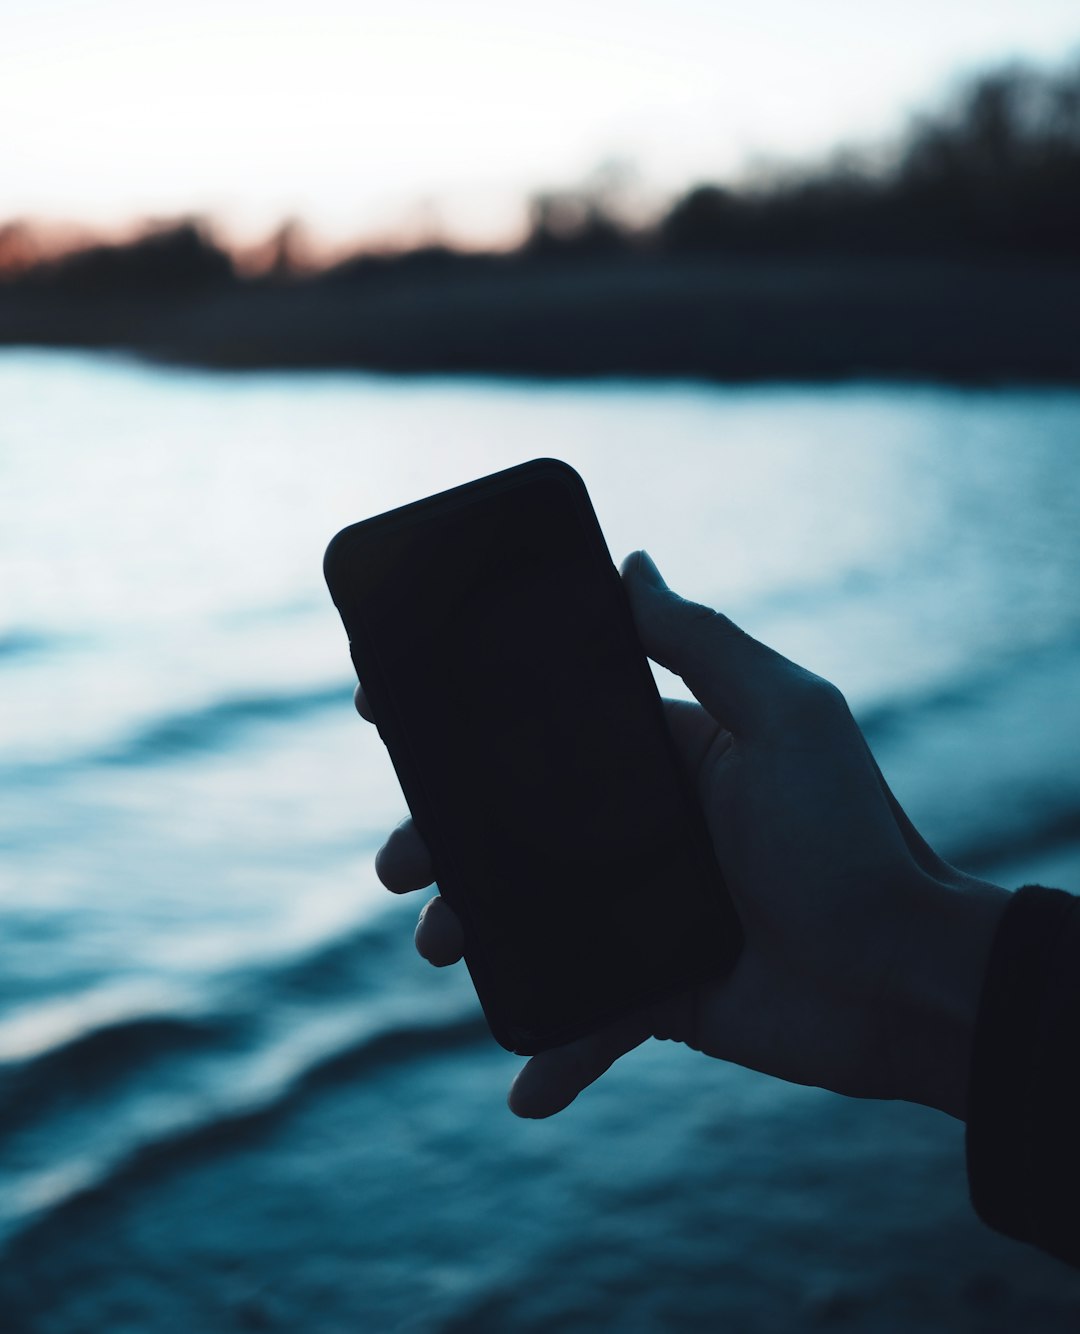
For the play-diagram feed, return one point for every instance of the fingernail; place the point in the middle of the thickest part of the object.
(649, 572)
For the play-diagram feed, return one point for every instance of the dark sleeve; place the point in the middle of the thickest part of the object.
(1023, 1127)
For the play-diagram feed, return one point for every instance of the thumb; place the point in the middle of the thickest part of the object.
(551, 1081)
(727, 671)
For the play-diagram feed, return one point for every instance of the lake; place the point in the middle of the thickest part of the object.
(232, 1096)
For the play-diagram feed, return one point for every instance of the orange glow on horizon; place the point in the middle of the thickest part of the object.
(291, 246)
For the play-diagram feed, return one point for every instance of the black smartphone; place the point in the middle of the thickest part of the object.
(495, 644)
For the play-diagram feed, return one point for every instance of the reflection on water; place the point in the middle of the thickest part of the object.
(193, 952)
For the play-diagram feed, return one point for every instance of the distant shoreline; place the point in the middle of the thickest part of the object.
(741, 319)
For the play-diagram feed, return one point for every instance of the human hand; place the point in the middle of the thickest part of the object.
(864, 951)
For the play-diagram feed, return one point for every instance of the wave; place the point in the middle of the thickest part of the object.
(98, 1089)
(881, 721)
(988, 814)
(269, 1037)
(98, 1056)
(174, 736)
(220, 723)
(967, 688)
(113, 1034)
(1055, 829)
(275, 1082)
(23, 643)
(216, 724)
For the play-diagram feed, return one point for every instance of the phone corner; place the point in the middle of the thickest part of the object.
(560, 469)
(334, 557)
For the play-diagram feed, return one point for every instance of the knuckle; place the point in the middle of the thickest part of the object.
(830, 698)
(696, 614)
(811, 702)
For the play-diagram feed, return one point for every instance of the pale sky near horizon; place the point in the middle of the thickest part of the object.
(365, 119)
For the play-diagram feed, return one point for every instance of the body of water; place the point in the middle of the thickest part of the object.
(231, 1095)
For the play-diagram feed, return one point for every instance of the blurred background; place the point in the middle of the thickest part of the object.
(797, 290)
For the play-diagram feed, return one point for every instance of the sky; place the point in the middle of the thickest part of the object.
(417, 119)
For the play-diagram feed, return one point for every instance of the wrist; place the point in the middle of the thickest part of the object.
(938, 979)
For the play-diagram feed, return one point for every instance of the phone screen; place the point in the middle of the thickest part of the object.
(496, 646)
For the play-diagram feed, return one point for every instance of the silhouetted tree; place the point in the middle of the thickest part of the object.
(171, 261)
(998, 168)
(572, 223)
(705, 219)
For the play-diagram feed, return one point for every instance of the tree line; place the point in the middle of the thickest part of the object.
(995, 170)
